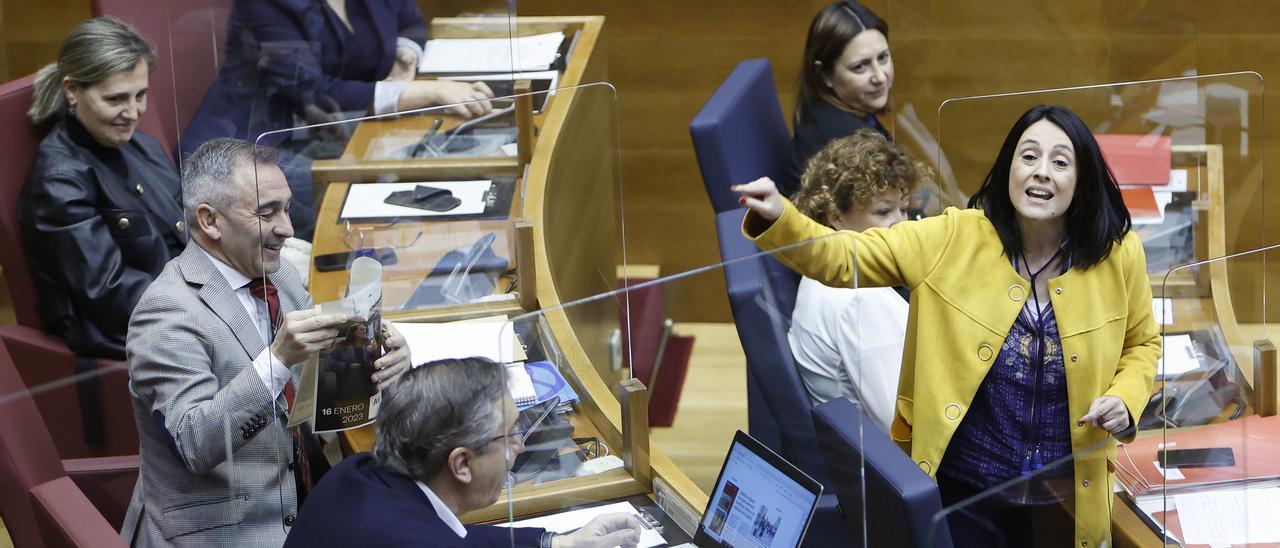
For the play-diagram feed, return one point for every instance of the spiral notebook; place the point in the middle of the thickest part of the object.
(535, 382)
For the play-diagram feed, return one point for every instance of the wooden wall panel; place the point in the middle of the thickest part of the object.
(30, 31)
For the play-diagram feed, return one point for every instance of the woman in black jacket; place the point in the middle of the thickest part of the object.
(101, 209)
(844, 81)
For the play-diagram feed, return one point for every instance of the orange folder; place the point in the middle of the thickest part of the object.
(1138, 159)
(1254, 441)
(1141, 202)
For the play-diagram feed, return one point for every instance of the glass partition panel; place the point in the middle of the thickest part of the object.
(1202, 477)
(942, 50)
(185, 424)
(462, 236)
(595, 450)
(426, 239)
(243, 69)
(1063, 502)
(1186, 152)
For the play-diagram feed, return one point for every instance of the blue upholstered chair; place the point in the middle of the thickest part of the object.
(899, 499)
(762, 294)
(740, 134)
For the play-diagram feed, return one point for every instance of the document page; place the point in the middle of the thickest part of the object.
(526, 53)
(1227, 517)
(1178, 357)
(491, 338)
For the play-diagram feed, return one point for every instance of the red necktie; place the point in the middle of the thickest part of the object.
(264, 290)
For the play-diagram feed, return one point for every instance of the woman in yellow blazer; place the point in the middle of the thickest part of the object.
(1030, 338)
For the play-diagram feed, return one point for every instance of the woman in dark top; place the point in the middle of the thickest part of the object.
(291, 63)
(844, 81)
(101, 212)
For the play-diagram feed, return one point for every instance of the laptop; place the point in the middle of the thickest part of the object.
(760, 500)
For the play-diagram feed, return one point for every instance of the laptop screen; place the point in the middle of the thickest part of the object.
(760, 500)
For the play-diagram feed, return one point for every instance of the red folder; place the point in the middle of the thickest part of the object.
(1254, 440)
(1138, 159)
(1141, 202)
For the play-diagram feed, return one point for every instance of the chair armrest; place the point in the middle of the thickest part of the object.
(100, 465)
(107, 482)
(66, 517)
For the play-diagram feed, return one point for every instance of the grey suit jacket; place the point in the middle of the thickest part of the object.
(214, 452)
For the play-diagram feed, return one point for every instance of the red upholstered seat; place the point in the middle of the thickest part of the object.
(27, 455)
(19, 140)
(28, 460)
(44, 361)
(67, 519)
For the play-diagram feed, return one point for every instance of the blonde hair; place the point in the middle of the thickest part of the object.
(850, 172)
(94, 51)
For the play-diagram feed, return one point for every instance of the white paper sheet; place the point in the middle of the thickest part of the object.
(1162, 309)
(1179, 356)
(1177, 182)
(366, 200)
(526, 53)
(574, 519)
(1235, 516)
(1170, 474)
(492, 338)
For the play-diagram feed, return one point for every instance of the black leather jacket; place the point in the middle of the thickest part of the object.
(98, 225)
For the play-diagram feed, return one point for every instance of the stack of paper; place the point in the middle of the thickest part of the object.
(491, 338)
(525, 53)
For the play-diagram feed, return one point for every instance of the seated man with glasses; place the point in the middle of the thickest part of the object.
(446, 436)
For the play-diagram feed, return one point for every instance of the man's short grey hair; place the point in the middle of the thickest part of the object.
(435, 409)
(208, 173)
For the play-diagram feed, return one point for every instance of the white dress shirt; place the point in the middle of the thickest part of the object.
(271, 370)
(446, 515)
(848, 342)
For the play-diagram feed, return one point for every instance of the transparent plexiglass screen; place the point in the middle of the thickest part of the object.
(433, 239)
(241, 69)
(75, 428)
(1216, 402)
(603, 438)
(460, 236)
(1187, 155)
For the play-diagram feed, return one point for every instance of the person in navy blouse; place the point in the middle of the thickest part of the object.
(291, 63)
(845, 80)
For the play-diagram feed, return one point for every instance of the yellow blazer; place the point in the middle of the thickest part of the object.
(965, 296)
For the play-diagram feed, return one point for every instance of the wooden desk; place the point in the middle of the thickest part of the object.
(569, 192)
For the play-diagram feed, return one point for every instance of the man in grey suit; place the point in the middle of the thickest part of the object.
(211, 387)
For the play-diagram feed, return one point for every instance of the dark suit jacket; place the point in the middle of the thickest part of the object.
(283, 55)
(822, 122)
(359, 503)
(98, 225)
